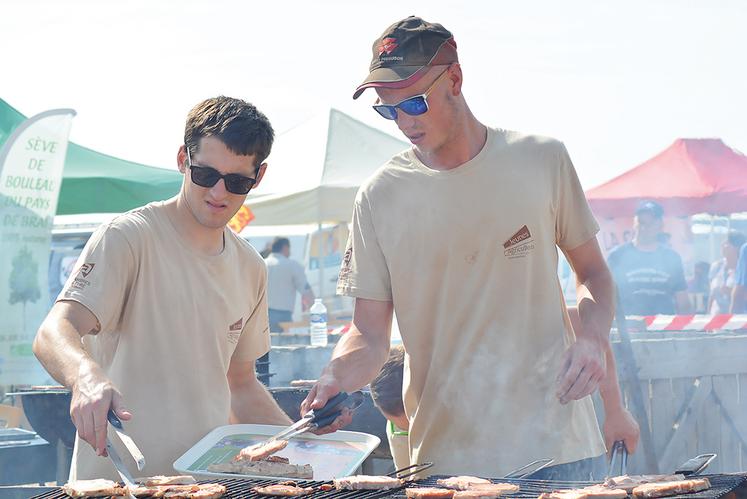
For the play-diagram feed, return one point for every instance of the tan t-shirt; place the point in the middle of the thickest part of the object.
(469, 258)
(171, 321)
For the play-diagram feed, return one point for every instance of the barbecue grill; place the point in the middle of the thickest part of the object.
(721, 486)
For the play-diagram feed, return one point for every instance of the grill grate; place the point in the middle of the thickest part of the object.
(720, 486)
(238, 488)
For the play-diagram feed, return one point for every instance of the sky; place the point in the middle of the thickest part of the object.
(617, 82)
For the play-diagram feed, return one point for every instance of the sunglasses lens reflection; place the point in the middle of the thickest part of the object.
(415, 106)
(388, 112)
(205, 177)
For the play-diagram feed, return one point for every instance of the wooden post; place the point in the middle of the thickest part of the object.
(629, 373)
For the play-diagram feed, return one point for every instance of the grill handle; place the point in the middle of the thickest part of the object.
(618, 449)
(413, 469)
(530, 468)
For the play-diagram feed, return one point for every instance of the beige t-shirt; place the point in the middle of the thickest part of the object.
(469, 258)
(172, 320)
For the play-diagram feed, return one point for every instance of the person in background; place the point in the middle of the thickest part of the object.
(649, 276)
(698, 287)
(386, 392)
(722, 275)
(285, 278)
(739, 294)
(266, 251)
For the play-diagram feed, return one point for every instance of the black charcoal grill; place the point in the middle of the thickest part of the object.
(721, 486)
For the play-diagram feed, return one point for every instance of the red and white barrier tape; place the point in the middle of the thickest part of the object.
(721, 322)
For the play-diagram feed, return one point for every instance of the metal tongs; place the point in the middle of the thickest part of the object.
(529, 469)
(132, 448)
(618, 448)
(321, 417)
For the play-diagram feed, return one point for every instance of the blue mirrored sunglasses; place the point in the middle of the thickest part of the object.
(413, 106)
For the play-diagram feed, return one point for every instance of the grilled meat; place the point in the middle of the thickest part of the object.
(201, 491)
(264, 468)
(286, 489)
(93, 488)
(260, 451)
(592, 492)
(629, 482)
(429, 493)
(486, 491)
(461, 482)
(166, 480)
(187, 491)
(365, 482)
(663, 489)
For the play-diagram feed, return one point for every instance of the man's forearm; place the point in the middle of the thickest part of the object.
(252, 403)
(609, 388)
(596, 307)
(59, 348)
(357, 359)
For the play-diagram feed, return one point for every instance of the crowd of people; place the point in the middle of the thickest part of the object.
(650, 276)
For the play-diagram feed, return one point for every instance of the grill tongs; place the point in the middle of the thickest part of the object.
(321, 417)
(691, 467)
(131, 448)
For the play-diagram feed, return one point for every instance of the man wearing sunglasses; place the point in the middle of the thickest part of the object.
(459, 235)
(171, 307)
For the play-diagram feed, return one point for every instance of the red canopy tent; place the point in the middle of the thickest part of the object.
(690, 176)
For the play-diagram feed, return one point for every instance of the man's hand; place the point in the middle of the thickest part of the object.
(620, 425)
(92, 396)
(324, 389)
(582, 369)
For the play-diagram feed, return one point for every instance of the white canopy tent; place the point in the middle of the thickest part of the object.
(315, 170)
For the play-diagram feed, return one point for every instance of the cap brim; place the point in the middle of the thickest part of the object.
(394, 77)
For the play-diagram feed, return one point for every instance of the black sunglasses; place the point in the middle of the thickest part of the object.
(206, 176)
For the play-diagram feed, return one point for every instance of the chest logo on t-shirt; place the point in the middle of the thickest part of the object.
(519, 245)
(234, 330)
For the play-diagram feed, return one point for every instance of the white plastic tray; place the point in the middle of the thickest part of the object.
(333, 455)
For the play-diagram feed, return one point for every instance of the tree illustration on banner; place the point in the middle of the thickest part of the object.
(24, 280)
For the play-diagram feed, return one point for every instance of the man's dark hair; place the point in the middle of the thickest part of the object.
(386, 388)
(238, 124)
(279, 243)
(736, 238)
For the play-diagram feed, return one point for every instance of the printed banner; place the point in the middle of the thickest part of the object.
(31, 163)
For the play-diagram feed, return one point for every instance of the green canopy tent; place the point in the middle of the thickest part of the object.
(93, 182)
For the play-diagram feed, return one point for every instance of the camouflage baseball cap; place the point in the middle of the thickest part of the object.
(405, 51)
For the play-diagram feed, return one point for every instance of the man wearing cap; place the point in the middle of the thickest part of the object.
(459, 236)
(649, 274)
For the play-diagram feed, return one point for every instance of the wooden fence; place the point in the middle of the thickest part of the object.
(693, 389)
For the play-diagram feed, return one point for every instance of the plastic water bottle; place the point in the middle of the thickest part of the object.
(318, 325)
